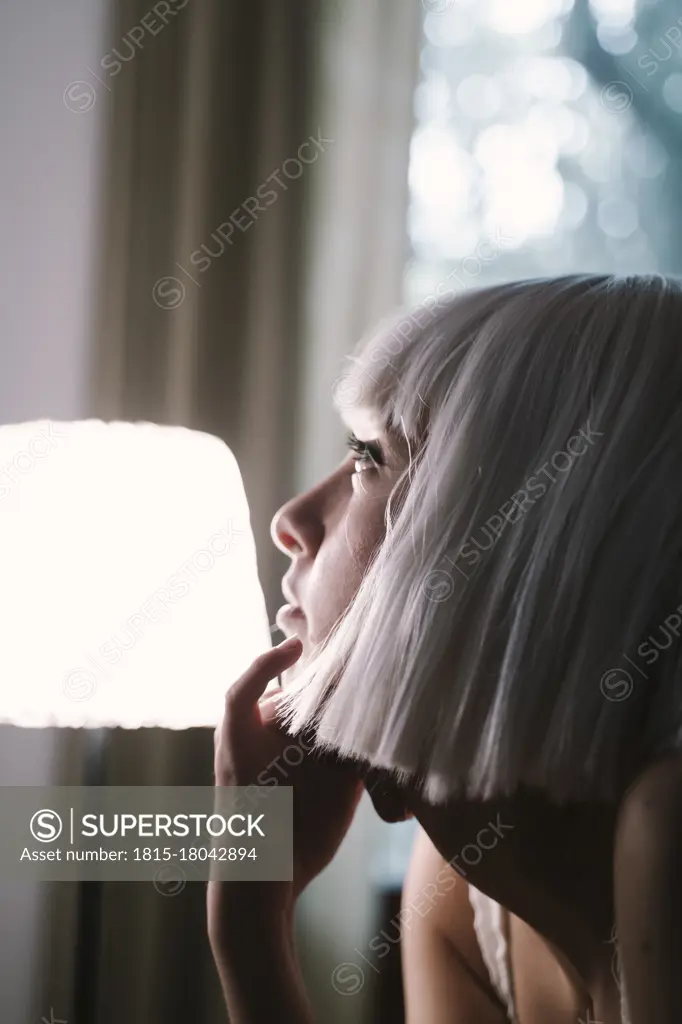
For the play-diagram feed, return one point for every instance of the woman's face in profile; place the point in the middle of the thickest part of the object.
(331, 531)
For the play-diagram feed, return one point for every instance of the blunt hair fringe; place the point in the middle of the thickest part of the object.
(511, 628)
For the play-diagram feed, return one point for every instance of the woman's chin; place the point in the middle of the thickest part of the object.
(391, 813)
(389, 800)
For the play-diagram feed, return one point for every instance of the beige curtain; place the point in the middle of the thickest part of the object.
(252, 227)
(199, 313)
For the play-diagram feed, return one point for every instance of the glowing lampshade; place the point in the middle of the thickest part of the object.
(129, 592)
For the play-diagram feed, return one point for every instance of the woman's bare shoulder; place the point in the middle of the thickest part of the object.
(439, 939)
(647, 855)
(650, 813)
(435, 890)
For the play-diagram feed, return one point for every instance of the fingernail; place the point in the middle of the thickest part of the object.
(288, 644)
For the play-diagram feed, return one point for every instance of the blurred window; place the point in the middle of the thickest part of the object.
(547, 140)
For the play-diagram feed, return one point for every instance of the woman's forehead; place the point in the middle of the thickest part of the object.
(364, 420)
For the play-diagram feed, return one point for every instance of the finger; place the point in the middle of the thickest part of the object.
(244, 693)
(269, 710)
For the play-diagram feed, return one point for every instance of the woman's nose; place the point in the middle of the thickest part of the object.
(283, 535)
(297, 527)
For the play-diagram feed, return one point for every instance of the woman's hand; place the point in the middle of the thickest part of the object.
(250, 924)
(252, 749)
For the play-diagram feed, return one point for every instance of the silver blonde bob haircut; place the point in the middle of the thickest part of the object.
(521, 621)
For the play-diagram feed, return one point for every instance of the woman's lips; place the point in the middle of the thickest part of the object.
(289, 617)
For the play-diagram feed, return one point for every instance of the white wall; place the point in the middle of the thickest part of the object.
(48, 182)
(47, 190)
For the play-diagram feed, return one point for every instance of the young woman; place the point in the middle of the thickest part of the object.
(486, 609)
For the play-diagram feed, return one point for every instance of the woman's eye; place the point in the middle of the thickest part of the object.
(369, 454)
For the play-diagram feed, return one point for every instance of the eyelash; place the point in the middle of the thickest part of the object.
(369, 455)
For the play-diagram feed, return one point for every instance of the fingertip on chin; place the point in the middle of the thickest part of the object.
(268, 708)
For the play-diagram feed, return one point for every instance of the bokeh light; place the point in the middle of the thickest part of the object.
(516, 133)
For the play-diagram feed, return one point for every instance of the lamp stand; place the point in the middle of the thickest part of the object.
(89, 899)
